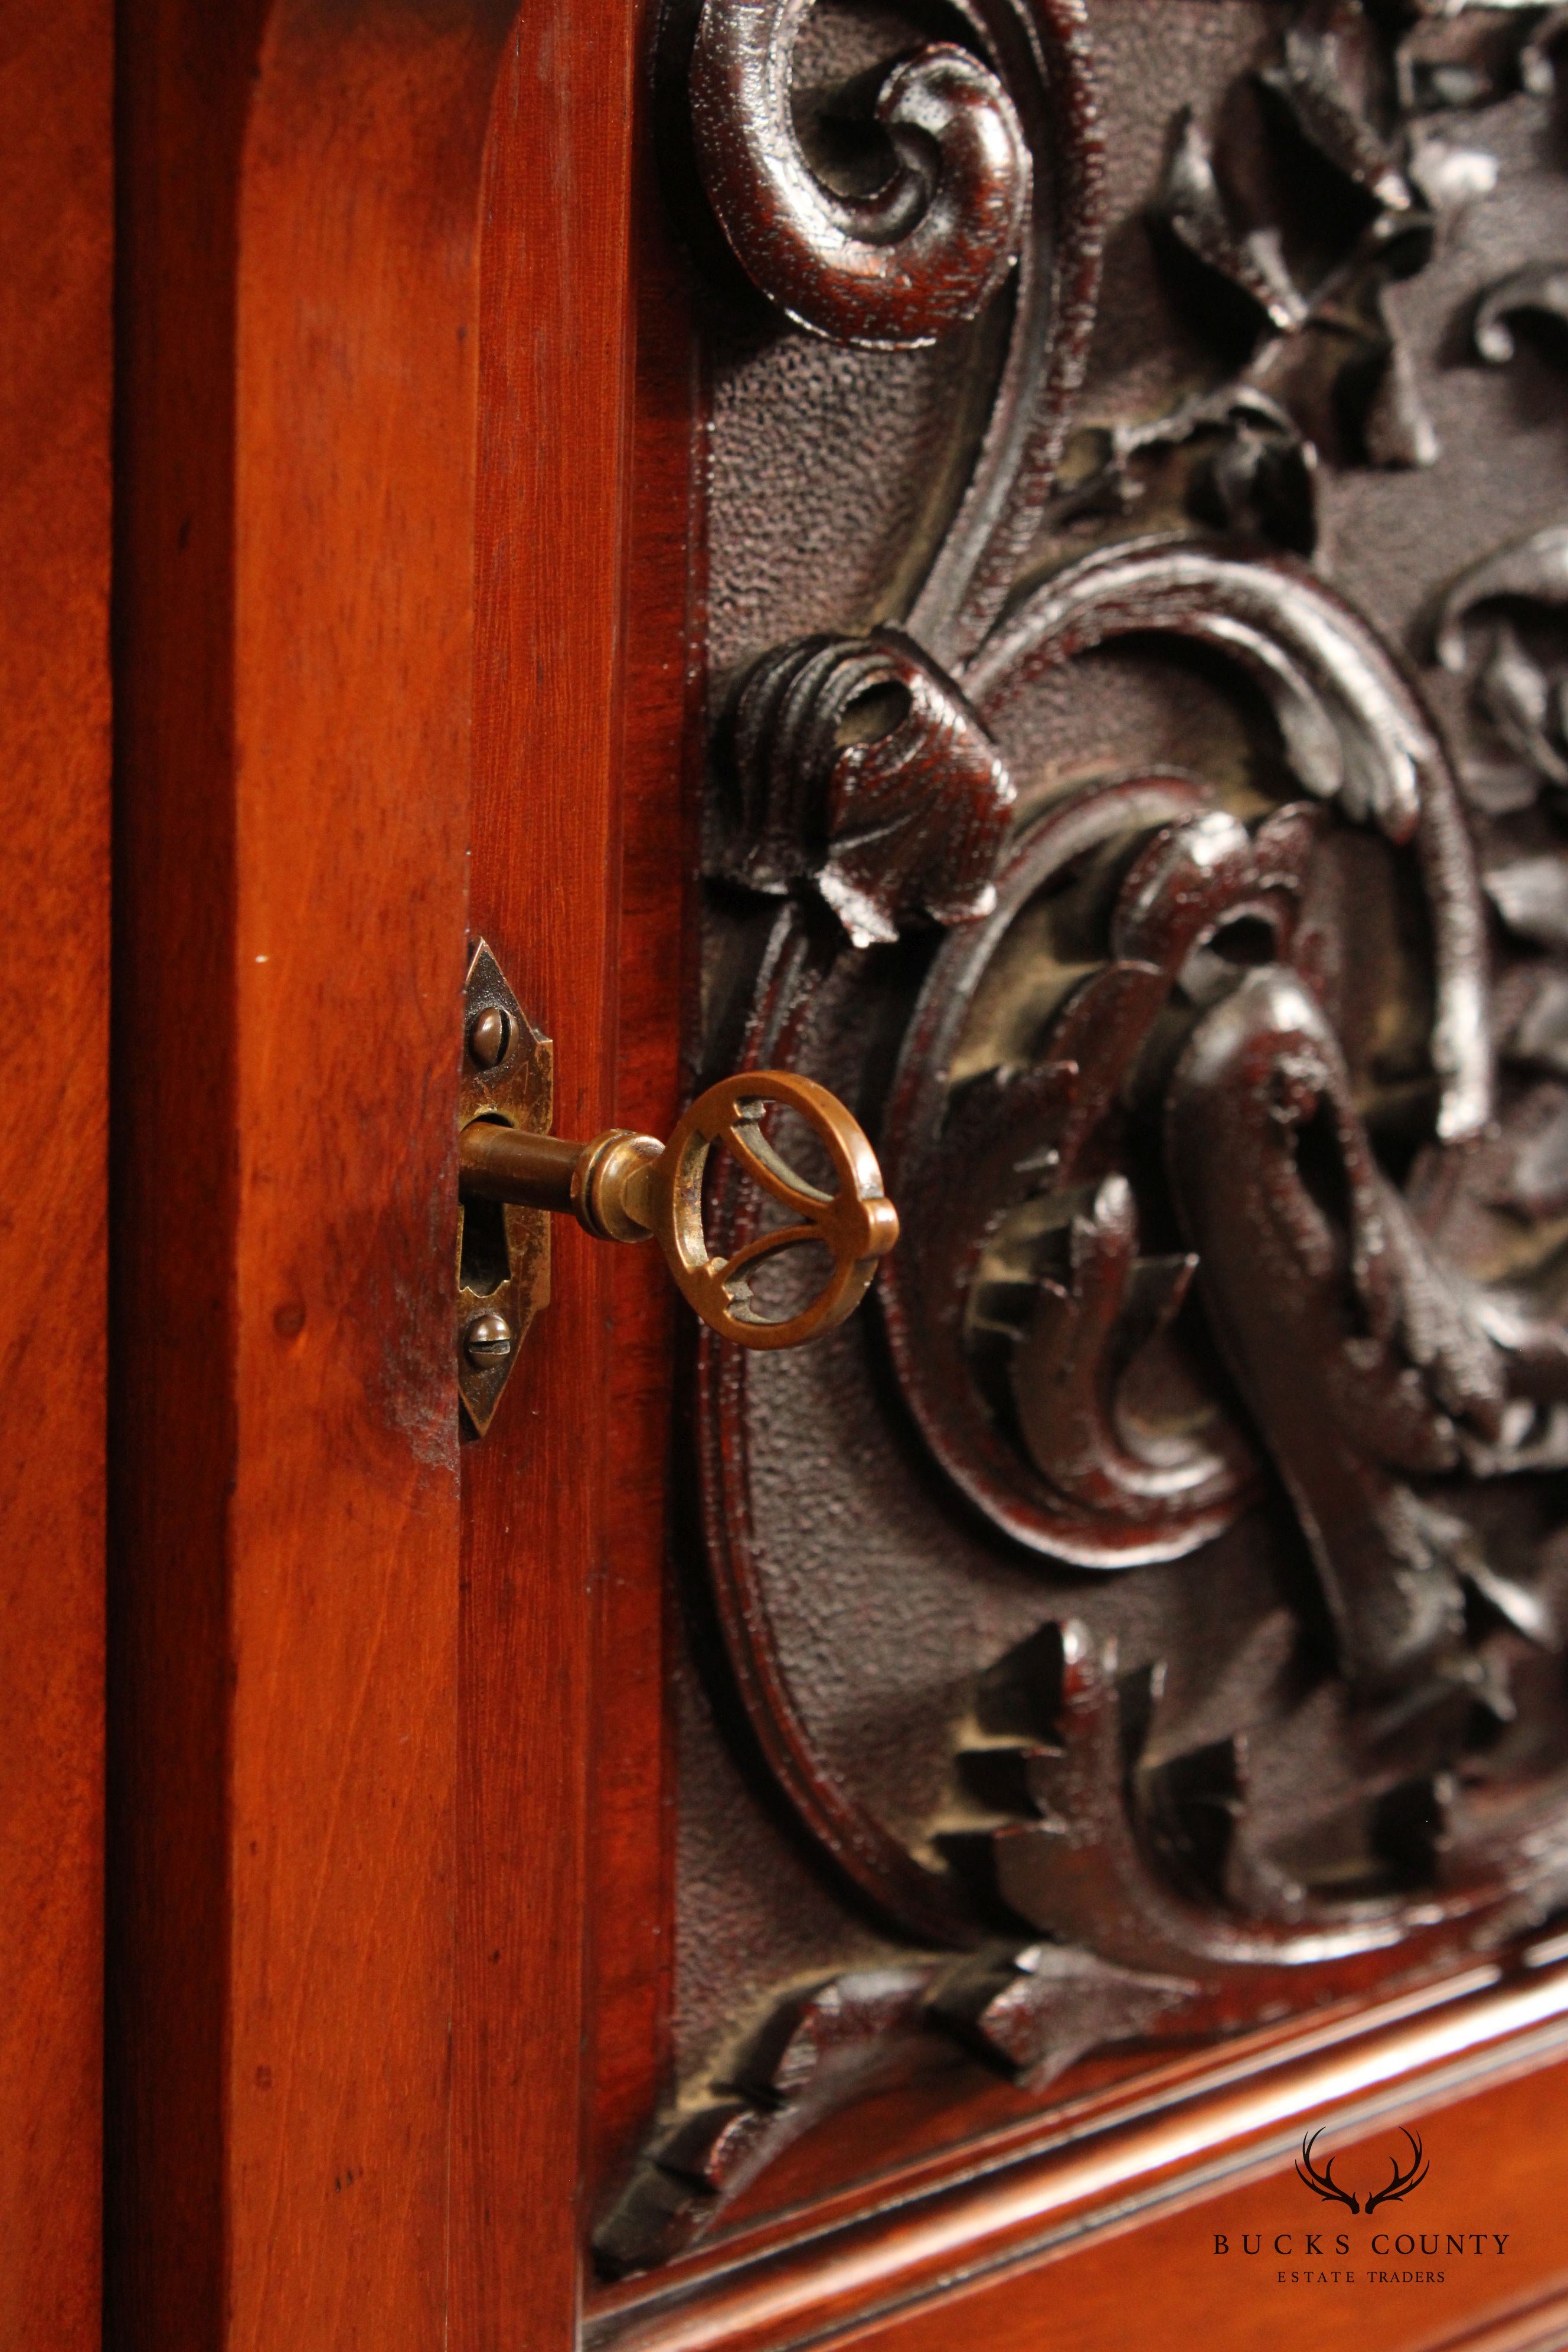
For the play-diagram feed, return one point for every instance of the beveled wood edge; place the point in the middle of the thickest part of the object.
(1157, 2085)
(1536, 2327)
(1037, 2204)
(1539, 2325)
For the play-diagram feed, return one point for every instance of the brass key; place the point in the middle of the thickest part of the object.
(625, 1187)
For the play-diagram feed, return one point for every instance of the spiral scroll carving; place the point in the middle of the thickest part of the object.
(901, 266)
(993, 194)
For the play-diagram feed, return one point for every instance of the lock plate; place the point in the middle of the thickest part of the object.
(503, 1252)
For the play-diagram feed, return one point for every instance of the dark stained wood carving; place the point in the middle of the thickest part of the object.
(826, 744)
(904, 264)
(1153, 1618)
(994, 177)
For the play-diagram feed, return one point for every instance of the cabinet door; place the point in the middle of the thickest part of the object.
(1001, 559)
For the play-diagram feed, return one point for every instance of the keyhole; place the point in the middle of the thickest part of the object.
(482, 1262)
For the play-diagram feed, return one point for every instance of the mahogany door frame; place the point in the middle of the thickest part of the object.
(297, 2154)
(56, 235)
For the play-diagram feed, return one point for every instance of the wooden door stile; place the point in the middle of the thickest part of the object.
(300, 323)
(540, 1511)
(56, 292)
(633, 1810)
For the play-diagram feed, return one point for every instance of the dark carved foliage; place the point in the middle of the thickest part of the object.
(859, 769)
(1367, 1366)
(817, 2048)
(1539, 291)
(1027, 2010)
(1351, 731)
(1518, 696)
(1329, 348)
(1161, 1256)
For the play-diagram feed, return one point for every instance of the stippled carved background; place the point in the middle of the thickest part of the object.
(1136, 735)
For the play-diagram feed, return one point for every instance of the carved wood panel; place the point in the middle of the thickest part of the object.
(1136, 752)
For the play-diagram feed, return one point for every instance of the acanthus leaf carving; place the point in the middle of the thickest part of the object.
(860, 770)
(818, 2045)
(1311, 81)
(1383, 1362)
(1352, 730)
(1034, 2009)
(1523, 703)
(1539, 290)
(1087, 1323)
(1339, 328)
(1195, 211)
(1255, 474)
(1027, 2010)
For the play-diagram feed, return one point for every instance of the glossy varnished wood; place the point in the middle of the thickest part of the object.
(299, 321)
(1486, 2179)
(55, 259)
(888, 2265)
(833, 1616)
(633, 1839)
(538, 1518)
(408, 433)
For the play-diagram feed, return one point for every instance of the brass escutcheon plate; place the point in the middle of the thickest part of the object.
(503, 1253)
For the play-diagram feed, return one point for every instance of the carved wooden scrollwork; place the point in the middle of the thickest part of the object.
(826, 744)
(986, 175)
(903, 265)
(1194, 941)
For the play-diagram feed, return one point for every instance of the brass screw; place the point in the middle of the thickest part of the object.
(488, 1341)
(488, 1037)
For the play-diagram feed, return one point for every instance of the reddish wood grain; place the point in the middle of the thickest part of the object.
(299, 321)
(632, 1841)
(555, 405)
(1534, 2326)
(861, 2266)
(56, 262)
(1493, 2170)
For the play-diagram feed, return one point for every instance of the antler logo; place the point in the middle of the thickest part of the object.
(1403, 2182)
(1323, 2184)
